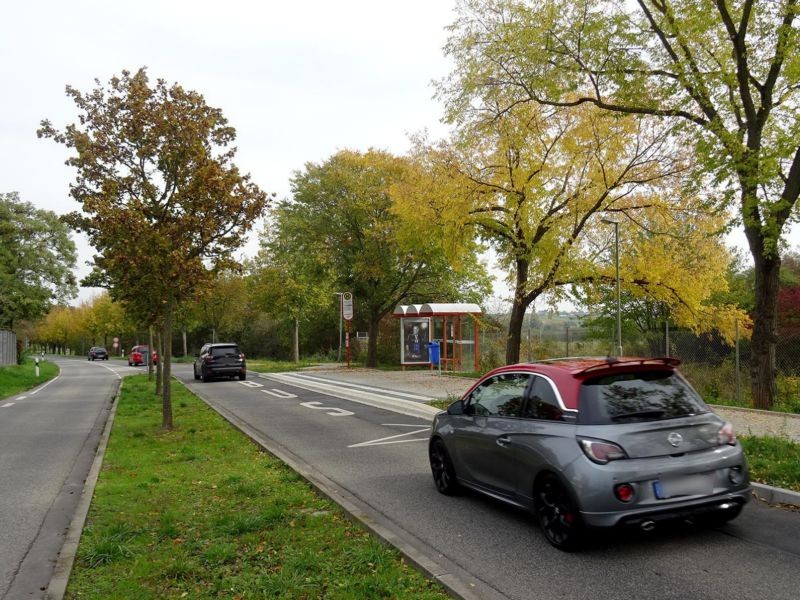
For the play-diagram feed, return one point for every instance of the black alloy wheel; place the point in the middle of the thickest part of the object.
(557, 515)
(444, 475)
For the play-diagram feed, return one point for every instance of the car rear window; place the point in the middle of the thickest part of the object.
(225, 350)
(637, 396)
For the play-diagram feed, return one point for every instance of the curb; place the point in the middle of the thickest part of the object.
(773, 495)
(66, 557)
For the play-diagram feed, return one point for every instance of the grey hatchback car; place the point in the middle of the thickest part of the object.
(591, 442)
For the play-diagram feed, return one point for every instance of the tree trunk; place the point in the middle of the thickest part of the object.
(765, 324)
(185, 350)
(150, 354)
(166, 361)
(157, 351)
(518, 308)
(372, 343)
(296, 340)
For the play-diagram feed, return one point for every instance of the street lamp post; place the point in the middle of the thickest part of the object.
(615, 222)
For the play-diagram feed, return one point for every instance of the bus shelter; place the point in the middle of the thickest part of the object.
(455, 326)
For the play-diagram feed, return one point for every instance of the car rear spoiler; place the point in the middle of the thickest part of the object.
(667, 361)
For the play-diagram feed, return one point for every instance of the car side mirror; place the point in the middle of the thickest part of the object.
(456, 408)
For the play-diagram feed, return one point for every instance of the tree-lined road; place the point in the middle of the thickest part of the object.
(379, 458)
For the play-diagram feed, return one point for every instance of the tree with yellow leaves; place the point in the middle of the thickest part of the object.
(533, 183)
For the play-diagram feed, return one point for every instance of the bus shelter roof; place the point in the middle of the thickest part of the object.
(436, 310)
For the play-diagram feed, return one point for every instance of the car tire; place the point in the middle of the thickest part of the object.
(205, 376)
(444, 475)
(130, 364)
(242, 376)
(194, 372)
(558, 515)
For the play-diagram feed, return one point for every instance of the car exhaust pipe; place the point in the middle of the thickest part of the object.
(647, 525)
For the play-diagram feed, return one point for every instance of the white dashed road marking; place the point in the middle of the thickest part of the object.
(251, 384)
(278, 393)
(7, 404)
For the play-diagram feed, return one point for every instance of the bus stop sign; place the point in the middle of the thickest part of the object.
(347, 306)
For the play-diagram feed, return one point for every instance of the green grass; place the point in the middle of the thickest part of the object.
(200, 512)
(18, 378)
(279, 366)
(773, 460)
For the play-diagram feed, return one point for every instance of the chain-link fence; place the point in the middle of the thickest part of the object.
(8, 347)
(718, 370)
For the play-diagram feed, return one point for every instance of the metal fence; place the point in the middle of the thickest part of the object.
(8, 347)
(718, 370)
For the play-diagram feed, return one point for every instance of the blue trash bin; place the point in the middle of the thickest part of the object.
(433, 352)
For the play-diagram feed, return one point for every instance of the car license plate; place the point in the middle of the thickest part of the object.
(691, 485)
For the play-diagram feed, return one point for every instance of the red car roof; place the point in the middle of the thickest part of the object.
(569, 373)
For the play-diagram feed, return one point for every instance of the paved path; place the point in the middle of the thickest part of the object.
(48, 438)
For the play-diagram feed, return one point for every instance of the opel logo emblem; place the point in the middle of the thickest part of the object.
(675, 439)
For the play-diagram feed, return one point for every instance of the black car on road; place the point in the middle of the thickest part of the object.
(98, 353)
(220, 360)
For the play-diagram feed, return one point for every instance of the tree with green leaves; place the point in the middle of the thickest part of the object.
(37, 257)
(722, 74)
(340, 228)
(288, 280)
(163, 203)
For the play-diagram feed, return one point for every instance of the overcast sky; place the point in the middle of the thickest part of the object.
(298, 80)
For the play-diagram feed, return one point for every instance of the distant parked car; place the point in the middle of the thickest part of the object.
(139, 355)
(98, 353)
(220, 360)
(591, 442)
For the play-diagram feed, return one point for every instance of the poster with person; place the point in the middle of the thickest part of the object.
(415, 334)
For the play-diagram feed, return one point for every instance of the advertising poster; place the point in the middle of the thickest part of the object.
(415, 335)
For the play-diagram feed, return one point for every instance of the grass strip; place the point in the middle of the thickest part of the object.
(773, 461)
(18, 378)
(200, 512)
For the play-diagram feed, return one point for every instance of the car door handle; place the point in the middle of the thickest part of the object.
(503, 440)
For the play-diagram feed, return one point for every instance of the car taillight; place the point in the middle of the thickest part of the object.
(624, 492)
(726, 436)
(209, 358)
(601, 451)
(241, 356)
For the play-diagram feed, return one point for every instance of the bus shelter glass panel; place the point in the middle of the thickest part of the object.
(467, 343)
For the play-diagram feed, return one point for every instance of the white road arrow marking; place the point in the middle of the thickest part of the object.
(331, 411)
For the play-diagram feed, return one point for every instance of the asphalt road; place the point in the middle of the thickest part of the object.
(48, 438)
(377, 460)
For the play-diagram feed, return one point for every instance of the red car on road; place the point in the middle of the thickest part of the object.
(139, 355)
